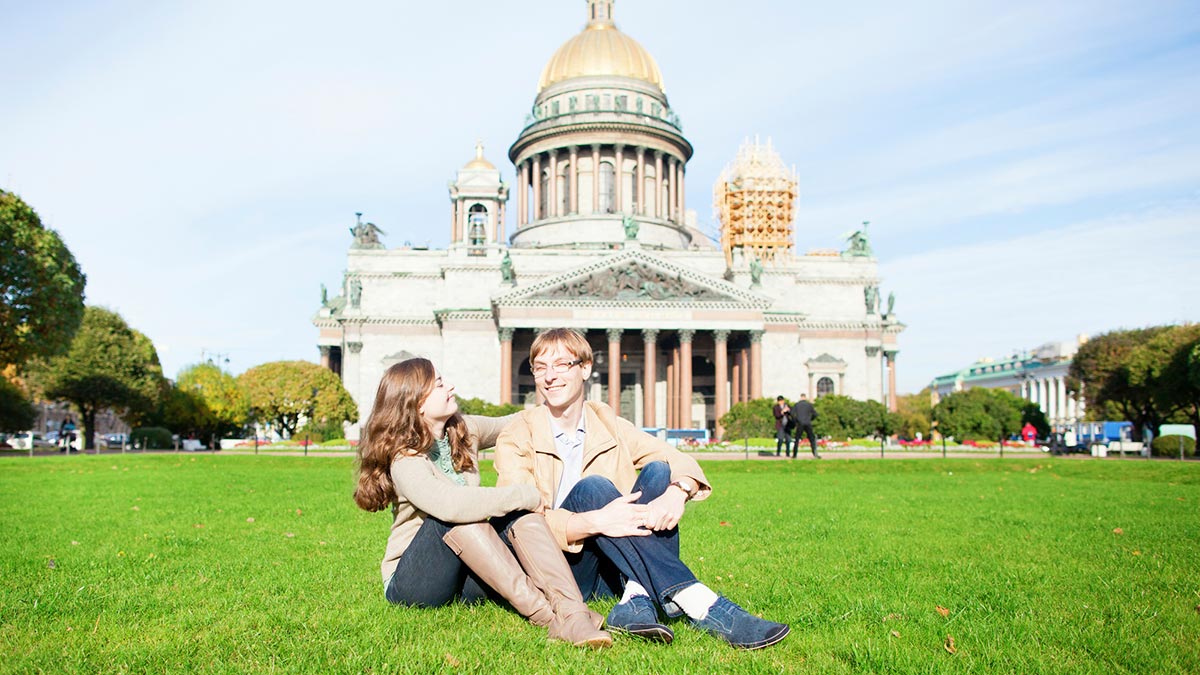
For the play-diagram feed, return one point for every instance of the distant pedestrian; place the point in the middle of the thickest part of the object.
(803, 413)
(783, 426)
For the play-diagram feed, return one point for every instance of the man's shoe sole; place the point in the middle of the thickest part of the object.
(647, 631)
(769, 641)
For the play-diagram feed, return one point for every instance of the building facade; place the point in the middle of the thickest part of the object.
(1038, 376)
(603, 242)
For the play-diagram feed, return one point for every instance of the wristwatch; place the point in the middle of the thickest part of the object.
(689, 486)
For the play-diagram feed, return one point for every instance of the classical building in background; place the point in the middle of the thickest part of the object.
(1038, 376)
(603, 242)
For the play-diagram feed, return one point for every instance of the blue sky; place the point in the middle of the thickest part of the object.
(1031, 170)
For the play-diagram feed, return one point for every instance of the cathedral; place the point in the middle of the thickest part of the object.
(602, 241)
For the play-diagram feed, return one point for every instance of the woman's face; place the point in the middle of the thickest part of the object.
(440, 404)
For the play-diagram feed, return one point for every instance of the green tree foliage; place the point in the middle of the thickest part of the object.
(1100, 371)
(41, 286)
(108, 365)
(980, 414)
(1162, 366)
(915, 413)
(478, 406)
(749, 419)
(282, 393)
(206, 402)
(1032, 413)
(16, 411)
(151, 438)
(844, 417)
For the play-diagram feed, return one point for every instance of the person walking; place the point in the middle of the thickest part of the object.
(803, 413)
(783, 424)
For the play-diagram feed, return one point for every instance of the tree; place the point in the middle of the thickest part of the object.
(108, 365)
(749, 419)
(845, 417)
(205, 402)
(282, 393)
(41, 286)
(16, 412)
(478, 406)
(1162, 367)
(915, 412)
(1100, 371)
(980, 413)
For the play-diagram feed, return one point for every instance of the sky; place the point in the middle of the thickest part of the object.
(1030, 170)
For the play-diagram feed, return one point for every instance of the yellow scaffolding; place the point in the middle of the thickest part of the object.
(755, 200)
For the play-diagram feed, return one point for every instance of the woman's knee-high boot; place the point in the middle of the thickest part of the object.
(546, 566)
(481, 549)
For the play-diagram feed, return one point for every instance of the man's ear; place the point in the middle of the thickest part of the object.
(586, 369)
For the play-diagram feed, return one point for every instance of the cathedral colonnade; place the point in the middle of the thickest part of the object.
(654, 377)
(1051, 395)
(600, 179)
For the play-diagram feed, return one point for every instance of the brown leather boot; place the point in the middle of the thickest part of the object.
(481, 549)
(546, 566)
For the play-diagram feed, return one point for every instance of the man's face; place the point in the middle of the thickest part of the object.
(560, 390)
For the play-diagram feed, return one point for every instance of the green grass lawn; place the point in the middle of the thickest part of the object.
(178, 563)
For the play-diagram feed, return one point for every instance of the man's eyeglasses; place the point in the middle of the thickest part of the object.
(559, 367)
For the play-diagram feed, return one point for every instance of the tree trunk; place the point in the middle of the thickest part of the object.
(88, 417)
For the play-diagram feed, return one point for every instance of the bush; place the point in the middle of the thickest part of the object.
(1168, 446)
(151, 438)
(478, 406)
(751, 419)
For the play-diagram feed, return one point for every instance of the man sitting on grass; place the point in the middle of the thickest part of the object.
(613, 498)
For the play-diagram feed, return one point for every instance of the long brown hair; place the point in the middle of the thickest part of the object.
(396, 427)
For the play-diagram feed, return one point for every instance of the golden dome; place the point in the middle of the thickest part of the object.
(600, 50)
(479, 162)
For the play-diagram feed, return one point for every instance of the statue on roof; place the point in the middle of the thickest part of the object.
(891, 302)
(506, 268)
(859, 246)
(756, 270)
(631, 227)
(871, 296)
(324, 296)
(366, 235)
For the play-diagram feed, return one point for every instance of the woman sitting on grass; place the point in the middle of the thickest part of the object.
(419, 456)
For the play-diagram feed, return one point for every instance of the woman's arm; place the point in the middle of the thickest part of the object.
(415, 480)
(487, 429)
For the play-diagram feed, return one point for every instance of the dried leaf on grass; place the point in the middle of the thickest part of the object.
(451, 661)
(943, 611)
(893, 617)
(1117, 530)
(948, 645)
(895, 633)
(724, 524)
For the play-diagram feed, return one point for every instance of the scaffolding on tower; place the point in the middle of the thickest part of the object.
(755, 198)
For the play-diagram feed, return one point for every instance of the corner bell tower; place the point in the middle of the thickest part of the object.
(477, 200)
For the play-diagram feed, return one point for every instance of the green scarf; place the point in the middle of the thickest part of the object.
(439, 454)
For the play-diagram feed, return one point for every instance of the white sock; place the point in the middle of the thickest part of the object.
(633, 588)
(695, 600)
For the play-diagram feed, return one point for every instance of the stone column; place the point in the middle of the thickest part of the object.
(500, 223)
(682, 193)
(620, 177)
(756, 364)
(574, 189)
(537, 188)
(735, 378)
(744, 362)
(596, 178)
(552, 186)
(522, 194)
(1061, 384)
(890, 355)
(672, 387)
(677, 181)
(685, 374)
(649, 377)
(721, 366)
(658, 180)
(324, 349)
(614, 369)
(454, 238)
(640, 191)
(506, 335)
(670, 210)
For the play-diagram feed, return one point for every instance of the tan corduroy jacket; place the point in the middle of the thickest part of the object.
(422, 489)
(613, 448)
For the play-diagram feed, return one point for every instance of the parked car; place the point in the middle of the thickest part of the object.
(115, 440)
(21, 441)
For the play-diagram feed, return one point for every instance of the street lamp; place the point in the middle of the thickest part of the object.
(312, 405)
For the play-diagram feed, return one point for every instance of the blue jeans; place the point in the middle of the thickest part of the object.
(652, 561)
(430, 575)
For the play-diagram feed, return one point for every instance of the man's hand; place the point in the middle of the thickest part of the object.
(664, 512)
(619, 518)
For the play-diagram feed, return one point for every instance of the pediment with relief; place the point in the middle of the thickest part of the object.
(633, 277)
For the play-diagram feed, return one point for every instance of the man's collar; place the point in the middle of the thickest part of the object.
(580, 427)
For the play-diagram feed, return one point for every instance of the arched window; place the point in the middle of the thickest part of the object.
(824, 386)
(608, 186)
(477, 219)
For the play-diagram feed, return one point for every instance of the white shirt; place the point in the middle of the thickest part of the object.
(570, 449)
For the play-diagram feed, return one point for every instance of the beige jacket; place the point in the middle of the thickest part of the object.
(613, 448)
(422, 489)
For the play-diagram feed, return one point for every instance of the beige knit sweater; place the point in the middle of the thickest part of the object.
(421, 489)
